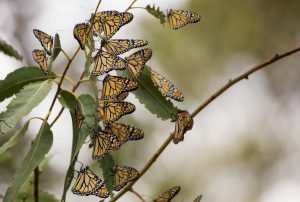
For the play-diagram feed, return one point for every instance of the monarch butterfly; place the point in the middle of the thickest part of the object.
(121, 133)
(101, 146)
(124, 175)
(80, 34)
(40, 57)
(106, 62)
(87, 182)
(180, 18)
(168, 195)
(122, 96)
(198, 199)
(79, 117)
(165, 86)
(110, 111)
(120, 46)
(184, 122)
(136, 61)
(109, 22)
(45, 39)
(113, 86)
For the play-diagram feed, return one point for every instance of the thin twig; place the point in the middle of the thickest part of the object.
(137, 194)
(200, 108)
(131, 5)
(36, 184)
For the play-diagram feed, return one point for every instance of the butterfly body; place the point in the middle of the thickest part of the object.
(120, 46)
(110, 111)
(184, 122)
(180, 18)
(168, 195)
(106, 62)
(45, 39)
(114, 86)
(40, 57)
(137, 61)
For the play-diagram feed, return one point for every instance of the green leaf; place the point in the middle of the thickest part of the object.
(156, 13)
(15, 138)
(40, 147)
(68, 99)
(43, 197)
(107, 165)
(27, 99)
(9, 50)
(88, 56)
(56, 48)
(16, 80)
(79, 136)
(149, 95)
(5, 156)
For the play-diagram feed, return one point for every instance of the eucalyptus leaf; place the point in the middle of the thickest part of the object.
(39, 148)
(27, 99)
(9, 50)
(19, 78)
(156, 13)
(107, 165)
(15, 138)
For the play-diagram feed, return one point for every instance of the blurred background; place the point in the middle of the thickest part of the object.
(245, 146)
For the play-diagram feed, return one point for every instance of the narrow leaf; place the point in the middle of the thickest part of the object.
(15, 138)
(107, 165)
(27, 99)
(16, 80)
(56, 48)
(68, 99)
(43, 197)
(156, 13)
(9, 50)
(149, 95)
(40, 147)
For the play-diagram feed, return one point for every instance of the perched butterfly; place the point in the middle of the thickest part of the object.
(106, 62)
(124, 175)
(79, 117)
(180, 18)
(113, 86)
(109, 22)
(40, 57)
(121, 133)
(136, 61)
(102, 142)
(168, 195)
(80, 34)
(110, 111)
(120, 46)
(184, 122)
(45, 39)
(165, 86)
(102, 192)
(87, 182)
(198, 199)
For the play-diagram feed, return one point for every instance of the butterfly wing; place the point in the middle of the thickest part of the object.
(113, 86)
(86, 182)
(79, 117)
(136, 61)
(45, 39)
(120, 46)
(198, 199)
(184, 122)
(102, 144)
(180, 18)
(80, 34)
(165, 86)
(106, 62)
(111, 111)
(126, 132)
(124, 175)
(168, 195)
(102, 192)
(40, 57)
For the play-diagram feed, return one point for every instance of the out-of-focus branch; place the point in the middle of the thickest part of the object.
(219, 92)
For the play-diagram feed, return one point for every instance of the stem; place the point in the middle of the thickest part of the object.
(137, 194)
(64, 52)
(36, 184)
(136, 7)
(200, 108)
(131, 5)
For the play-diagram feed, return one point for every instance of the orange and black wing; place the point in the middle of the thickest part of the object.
(120, 46)
(124, 175)
(80, 34)
(45, 39)
(180, 18)
(168, 195)
(184, 122)
(40, 57)
(102, 142)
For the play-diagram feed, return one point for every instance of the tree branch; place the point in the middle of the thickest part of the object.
(200, 108)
